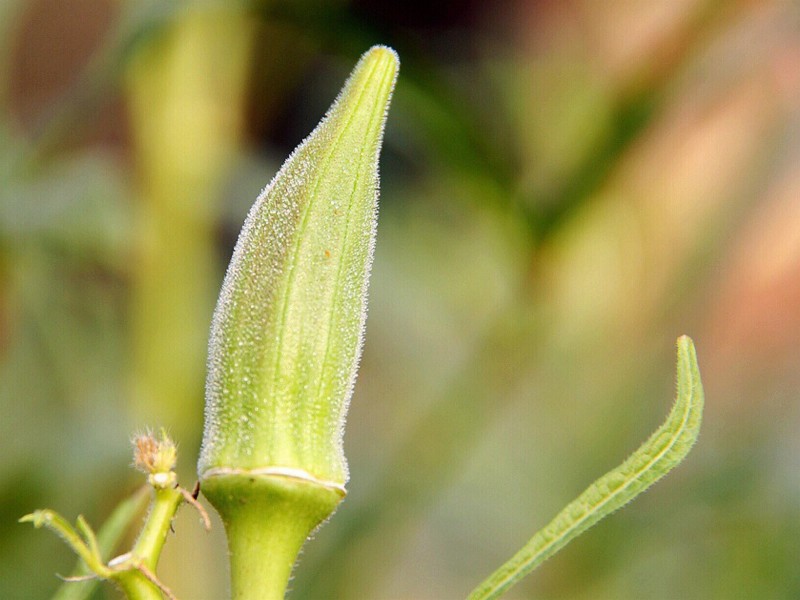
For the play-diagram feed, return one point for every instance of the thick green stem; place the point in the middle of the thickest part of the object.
(267, 519)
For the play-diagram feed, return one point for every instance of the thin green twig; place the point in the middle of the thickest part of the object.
(108, 538)
(59, 525)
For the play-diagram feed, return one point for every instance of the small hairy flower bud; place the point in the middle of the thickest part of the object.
(156, 457)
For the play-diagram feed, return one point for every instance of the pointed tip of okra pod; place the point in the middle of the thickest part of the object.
(383, 53)
(373, 79)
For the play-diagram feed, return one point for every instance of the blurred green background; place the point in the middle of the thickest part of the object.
(567, 186)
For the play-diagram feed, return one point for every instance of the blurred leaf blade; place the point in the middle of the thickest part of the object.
(662, 452)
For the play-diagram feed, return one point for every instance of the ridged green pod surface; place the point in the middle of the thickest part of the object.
(287, 331)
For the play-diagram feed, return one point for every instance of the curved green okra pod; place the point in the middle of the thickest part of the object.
(286, 337)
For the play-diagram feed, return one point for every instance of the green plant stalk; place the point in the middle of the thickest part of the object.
(108, 537)
(663, 451)
(147, 549)
(133, 572)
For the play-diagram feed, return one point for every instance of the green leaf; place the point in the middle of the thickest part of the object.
(61, 527)
(108, 538)
(667, 447)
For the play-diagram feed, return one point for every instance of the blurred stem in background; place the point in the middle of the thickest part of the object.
(186, 92)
